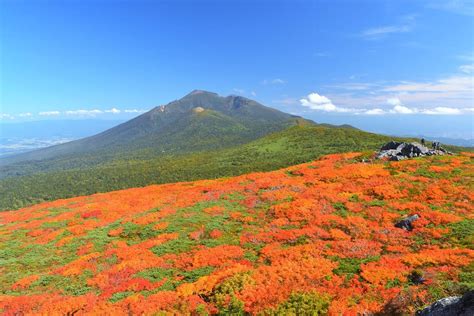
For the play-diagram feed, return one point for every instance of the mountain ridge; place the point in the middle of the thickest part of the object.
(157, 129)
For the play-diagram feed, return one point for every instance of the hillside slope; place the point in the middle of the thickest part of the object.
(291, 146)
(313, 238)
(200, 120)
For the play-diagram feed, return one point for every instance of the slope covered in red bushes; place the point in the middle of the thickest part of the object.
(318, 236)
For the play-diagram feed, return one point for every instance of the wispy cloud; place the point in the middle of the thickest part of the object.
(286, 101)
(463, 7)
(354, 86)
(134, 111)
(442, 110)
(321, 54)
(438, 96)
(452, 95)
(83, 112)
(275, 81)
(406, 25)
(379, 32)
(467, 69)
(5, 116)
(454, 91)
(318, 102)
(466, 57)
(49, 113)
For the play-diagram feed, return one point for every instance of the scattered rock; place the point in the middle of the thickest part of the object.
(406, 223)
(198, 109)
(390, 145)
(451, 306)
(416, 277)
(396, 151)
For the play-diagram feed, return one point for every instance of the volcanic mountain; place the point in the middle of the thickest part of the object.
(200, 120)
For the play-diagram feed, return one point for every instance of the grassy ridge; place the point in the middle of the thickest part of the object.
(292, 146)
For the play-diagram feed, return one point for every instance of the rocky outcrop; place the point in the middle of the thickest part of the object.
(406, 223)
(451, 306)
(396, 151)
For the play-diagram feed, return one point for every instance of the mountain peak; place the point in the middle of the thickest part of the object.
(200, 92)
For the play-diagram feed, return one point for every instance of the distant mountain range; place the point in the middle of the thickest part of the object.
(451, 141)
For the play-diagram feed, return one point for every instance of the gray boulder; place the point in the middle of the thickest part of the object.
(406, 223)
(390, 145)
(451, 306)
(396, 151)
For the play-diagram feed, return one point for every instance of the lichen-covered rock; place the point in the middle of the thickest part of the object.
(451, 306)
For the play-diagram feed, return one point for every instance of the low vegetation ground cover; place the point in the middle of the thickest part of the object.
(289, 147)
(313, 238)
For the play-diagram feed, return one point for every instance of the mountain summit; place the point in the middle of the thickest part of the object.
(201, 120)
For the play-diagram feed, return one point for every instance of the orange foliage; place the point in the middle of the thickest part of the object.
(326, 226)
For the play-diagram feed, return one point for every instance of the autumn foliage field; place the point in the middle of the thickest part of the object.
(316, 237)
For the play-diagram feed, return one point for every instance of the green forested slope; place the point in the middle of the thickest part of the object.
(291, 146)
(199, 121)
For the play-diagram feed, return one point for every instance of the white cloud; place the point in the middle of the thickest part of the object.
(83, 112)
(5, 116)
(450, 95)
(440, 110)
(239, 91)
(401, 109)
(394, 101)
(113, 111)
(253, 93)
(319, 102)
(315, 101)
(376, 111)
(49, 113)
(27, 114)
(274, 81)
(134, 111)
(398, 108)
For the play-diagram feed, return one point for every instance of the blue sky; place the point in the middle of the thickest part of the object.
(337, 61)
